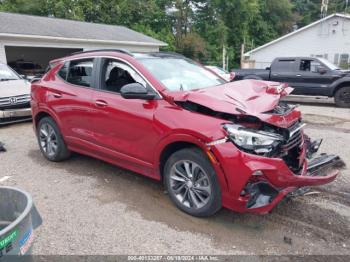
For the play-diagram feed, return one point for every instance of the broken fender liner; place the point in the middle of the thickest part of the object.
(2, 147)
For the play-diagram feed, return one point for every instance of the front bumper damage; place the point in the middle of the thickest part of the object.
(263, 182)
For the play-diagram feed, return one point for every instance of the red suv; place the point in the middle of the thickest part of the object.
(211, 142)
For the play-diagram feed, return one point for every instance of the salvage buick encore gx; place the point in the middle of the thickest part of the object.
(214, 144)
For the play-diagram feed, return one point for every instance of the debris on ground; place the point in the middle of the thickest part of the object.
(287, 240)
(5, 178)
(2, 147)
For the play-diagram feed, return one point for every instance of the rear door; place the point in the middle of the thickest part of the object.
(283, 70)
(70, 94)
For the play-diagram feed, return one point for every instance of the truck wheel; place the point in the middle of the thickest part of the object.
(50, 140)
(192, 183)
(342, 97)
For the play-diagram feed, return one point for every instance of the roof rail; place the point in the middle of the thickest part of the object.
(124, 51)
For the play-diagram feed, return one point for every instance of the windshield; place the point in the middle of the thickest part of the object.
(7, 74)
(180, 74)
(329, 64)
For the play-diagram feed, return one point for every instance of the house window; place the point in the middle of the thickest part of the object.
(344, 61)
(336, 59)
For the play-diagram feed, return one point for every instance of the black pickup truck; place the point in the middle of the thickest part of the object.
(308, 76)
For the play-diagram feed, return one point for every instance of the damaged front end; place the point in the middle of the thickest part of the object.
(266, 186)
(264, 152)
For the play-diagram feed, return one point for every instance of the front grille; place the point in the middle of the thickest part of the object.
(11, 102)
(291, 149)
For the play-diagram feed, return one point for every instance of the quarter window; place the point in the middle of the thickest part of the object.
(80, 72)
(63, 71)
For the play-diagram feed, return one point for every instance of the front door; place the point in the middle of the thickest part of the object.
(123, 127)
(309, 80)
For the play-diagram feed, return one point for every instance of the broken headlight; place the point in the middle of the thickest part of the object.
(251, 140)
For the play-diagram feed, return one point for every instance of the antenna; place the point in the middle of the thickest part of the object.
(324, 8)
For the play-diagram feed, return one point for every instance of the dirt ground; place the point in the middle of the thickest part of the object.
(90, 207)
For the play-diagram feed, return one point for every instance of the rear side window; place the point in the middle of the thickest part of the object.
(285, 65)
(80, 72)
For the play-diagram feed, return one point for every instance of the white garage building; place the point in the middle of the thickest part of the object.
(41, 39)
(328, 38)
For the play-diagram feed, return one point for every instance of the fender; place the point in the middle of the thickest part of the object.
(177, 137)
(44, 109)
(338, 84)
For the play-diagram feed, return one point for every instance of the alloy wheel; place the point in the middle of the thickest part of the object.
(190, 184)
(48, 140)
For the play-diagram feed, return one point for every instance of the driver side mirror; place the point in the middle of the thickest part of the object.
(321, 70)
(136, 91)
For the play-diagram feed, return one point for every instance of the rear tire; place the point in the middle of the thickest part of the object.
(342, 97)
(50, 140)
(192, 183)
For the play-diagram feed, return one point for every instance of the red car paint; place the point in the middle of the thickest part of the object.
(133, 134)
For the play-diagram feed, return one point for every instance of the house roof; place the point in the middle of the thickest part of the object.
(62, 29)
(296, 32)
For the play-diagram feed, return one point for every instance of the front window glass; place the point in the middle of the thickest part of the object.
(180, 74)
(117, 74)
(7, 74)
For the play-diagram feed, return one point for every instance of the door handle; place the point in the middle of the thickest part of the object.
(101, 103)
(57, 95)
(298, 75)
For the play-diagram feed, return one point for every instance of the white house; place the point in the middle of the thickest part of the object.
(41, 39)
(328, 38)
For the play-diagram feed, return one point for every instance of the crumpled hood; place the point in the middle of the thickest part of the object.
(14, 88)
(246, 97)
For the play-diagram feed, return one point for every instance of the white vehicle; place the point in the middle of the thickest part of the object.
(221, 72)
(14, 97)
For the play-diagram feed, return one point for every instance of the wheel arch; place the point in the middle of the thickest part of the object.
(339, 86)
(172, 144)
(44, 113)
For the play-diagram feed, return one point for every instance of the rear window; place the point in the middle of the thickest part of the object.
(80, 72)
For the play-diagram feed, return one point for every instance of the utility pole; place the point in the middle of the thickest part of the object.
(224, 57)
(324, 8)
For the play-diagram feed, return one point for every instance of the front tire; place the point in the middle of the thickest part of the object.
(342, 97)
(192, 183)
(50, 140)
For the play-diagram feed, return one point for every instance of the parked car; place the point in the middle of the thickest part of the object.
(162, 115)
(14, 97)
(308, 76)
(222, 72)
(27, 69)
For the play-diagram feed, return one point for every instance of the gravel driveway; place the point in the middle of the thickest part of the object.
(90, 207)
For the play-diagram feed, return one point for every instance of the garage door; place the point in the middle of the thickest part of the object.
(34, 57)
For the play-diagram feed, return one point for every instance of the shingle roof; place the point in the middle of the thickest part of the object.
(296, 32)
(18, 24)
